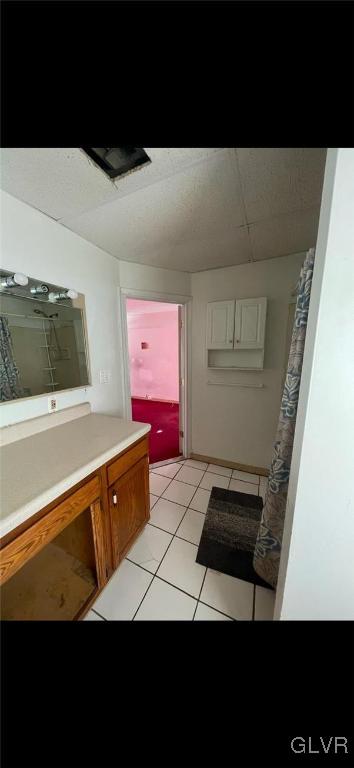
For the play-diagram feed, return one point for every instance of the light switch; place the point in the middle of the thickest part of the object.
(105, 376)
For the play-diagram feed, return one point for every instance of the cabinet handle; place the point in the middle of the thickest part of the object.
(230, 341)
(115, 498)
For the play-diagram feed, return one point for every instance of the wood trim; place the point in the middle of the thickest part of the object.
(234, 464)
(125, 461)
(106, 521)
(99, 542)
(30, 542)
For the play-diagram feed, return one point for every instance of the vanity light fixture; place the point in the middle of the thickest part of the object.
(12, 280)
(69, 294)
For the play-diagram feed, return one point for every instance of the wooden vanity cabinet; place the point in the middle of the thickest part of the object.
(55, 565)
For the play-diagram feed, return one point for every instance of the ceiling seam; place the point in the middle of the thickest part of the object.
(243, 202)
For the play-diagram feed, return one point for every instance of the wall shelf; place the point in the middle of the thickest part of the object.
(235, 359)
(231, 368)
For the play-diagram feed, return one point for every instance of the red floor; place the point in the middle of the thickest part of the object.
(162, 416)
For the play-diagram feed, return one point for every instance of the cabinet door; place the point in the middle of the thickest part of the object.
(220, 324)
(250, 319)
(129, 507)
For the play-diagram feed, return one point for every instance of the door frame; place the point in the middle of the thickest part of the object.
(184, 352)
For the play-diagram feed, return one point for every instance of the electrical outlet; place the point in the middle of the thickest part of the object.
(52, 404)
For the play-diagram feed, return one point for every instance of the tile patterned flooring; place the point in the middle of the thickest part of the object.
(159, 579)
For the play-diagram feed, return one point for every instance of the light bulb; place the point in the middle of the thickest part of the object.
(12, 280)
(20, 279)
(70, 294)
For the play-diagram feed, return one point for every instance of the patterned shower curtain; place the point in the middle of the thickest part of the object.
(10, 387)
(270, 534)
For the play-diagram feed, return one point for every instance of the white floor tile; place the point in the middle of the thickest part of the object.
(150, 548)
(196, 464)
(92, 616)
(209, 480)
(227, 594)
(165, 603)
(158, 484)
(226, 471)
(239, 485)
(264, 604)
(167, 515)
(181, 493)
(167, 470)
(180, 569)
(204, 613)
(247, 477)
(153, 500)
(190, 475)
(191, 526)
(200, 500)
(123, 593)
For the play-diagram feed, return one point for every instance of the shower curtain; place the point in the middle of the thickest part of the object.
(10, 387)
(268, 544)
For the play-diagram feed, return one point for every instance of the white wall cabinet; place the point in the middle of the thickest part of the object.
(250, 315)
(236, 333)
(220, 324)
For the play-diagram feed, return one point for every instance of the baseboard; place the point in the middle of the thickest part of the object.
(233, 464)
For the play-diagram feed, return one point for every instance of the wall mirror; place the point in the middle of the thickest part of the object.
(43, 341)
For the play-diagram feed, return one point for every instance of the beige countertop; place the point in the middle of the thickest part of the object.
(37, 469)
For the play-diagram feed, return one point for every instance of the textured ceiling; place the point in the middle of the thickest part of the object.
(189, 209)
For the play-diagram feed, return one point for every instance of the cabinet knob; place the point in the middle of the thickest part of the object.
(114, 498)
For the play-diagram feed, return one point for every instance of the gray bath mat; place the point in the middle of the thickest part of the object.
(229, 534)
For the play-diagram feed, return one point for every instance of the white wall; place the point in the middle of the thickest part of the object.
(316, 575)
(239, 424)
(36, 245)
(153, 279)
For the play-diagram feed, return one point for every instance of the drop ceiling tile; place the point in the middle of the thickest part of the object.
(291, 233)
(200, 203)
(278, 181)
(223, 250)
(58, 182)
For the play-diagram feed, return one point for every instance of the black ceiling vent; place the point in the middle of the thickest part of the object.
(115, 161)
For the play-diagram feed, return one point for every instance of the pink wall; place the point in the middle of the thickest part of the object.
(153, 371)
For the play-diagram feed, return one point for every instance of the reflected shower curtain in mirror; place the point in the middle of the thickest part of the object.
(10, 387)
(270, 534)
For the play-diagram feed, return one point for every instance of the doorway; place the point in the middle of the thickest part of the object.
(155, 363)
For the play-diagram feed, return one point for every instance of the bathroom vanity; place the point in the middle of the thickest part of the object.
(74, 497)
